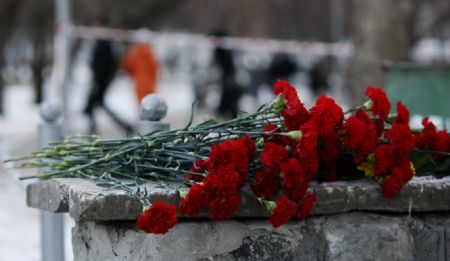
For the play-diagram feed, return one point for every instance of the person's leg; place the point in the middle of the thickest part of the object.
(90, 109)
(119, 121)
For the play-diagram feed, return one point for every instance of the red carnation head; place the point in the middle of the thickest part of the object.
(328, 115)
(393, 184)
(266, 184)
(282, 212)
(402, 114)
(196, 199)
(158, 219)
(294, 113)
(360, 136)
(380, 104)
(305, 207)
(294, 183)
(273, 156)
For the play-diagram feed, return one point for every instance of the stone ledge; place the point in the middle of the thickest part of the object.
(87, 202)
(349, 236)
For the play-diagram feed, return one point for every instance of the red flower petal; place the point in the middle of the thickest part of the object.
(282, 212)
(380, 103)
(305, 207)
(158, 219)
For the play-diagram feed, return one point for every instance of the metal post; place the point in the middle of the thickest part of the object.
(58, 91)
(52, 224)
(153, 108)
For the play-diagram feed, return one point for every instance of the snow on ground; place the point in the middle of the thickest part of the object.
(19, 225)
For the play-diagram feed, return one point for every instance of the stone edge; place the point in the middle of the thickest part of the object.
(86, 202)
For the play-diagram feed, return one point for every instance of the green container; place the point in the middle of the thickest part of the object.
(424, 89)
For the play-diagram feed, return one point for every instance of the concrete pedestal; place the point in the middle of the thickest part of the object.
(351, 221)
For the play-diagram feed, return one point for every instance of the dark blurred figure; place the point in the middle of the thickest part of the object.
(104, 66)
(231, 91)
(319, 75)
(282, 67)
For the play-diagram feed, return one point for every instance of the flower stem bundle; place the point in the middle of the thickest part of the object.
(277, 151)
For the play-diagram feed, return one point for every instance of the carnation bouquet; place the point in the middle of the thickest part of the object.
(277, 152)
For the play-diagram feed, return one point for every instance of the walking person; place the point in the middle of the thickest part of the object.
(103, 66)
(231, 91)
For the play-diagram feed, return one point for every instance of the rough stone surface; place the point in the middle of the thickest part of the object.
(359, 237)
(85, 201)
(51, 195)
(187, 241)
(349, 236)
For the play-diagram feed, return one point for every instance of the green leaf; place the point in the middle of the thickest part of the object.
(442, 168)
(420, 159)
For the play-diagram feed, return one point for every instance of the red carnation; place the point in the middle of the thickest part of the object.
(199, 167)
(277, 139)
(224, 204)
(273, 156)
(310, 164)
(330, 149)
(328, 114)
(158, 219)
(362, 116)
(282, 212)
(221, 189)
(393, 184)
(402, 114)
(294, 113)
(385, 158)
(230, 152)
(266, 184)
(401, 138)
(295, 185)
(380, 103)
(194, 201)
(360, 136)
(432, 139)
(408, 173)
(250, 144)
(308, 141)
(270, 128)
(306, 206)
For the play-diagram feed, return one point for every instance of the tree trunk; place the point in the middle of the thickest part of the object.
(382, 30)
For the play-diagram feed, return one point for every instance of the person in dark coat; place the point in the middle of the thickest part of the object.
(104, 66)
(319, 75)
(231, 91)
(282, 67)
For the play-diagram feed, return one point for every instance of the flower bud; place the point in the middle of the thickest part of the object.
(278, 103)
(367, 105)
(183, 193)
(260, 143)
(295, 135)
(269, 205)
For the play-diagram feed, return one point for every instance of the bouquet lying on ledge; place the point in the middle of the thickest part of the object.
(277, 151)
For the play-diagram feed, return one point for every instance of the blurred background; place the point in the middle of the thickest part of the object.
(97, 59)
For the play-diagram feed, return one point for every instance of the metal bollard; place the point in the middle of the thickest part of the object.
(152, 109)
(52, 224)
